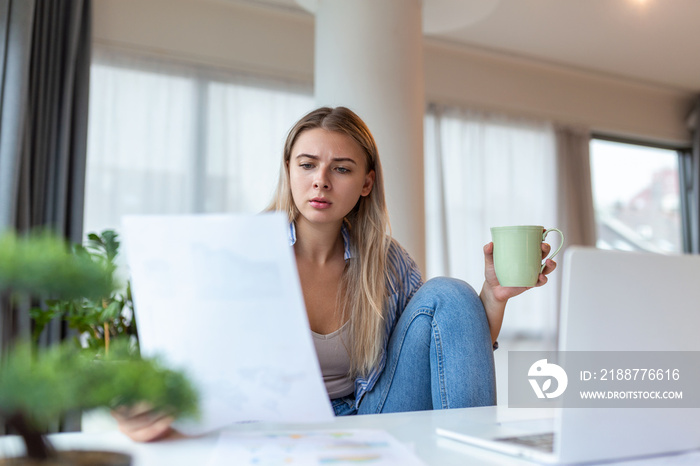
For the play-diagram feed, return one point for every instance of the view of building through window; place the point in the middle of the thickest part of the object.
(637, 197)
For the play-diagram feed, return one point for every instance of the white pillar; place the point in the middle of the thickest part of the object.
(369, 58)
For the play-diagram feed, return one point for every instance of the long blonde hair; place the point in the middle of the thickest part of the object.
(364, 280)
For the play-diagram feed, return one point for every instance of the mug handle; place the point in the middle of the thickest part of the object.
(551, 256)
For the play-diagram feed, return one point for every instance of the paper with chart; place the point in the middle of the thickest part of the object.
(219, 296)
(308, 448)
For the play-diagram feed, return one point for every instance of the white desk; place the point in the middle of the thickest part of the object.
(416, 430)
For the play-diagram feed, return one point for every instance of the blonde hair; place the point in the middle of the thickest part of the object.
(364, 280)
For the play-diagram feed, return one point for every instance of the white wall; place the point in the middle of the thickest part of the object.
(214, 32)
(605, 104)
(280, 43)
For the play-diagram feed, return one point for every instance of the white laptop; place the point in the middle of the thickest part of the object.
(613, 302)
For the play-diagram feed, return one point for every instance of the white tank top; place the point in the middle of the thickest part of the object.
(334, 359)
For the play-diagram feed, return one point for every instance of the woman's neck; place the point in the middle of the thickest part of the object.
(318, 243)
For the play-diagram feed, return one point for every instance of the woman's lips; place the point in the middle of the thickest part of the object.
(319, 203)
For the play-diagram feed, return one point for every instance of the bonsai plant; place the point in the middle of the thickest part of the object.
(36, 385)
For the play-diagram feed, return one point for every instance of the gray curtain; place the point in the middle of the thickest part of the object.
(44, 83)
(575, 207)
(690, 184)
(16, 21)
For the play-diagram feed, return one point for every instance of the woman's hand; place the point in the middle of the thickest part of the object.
(504, 293)
(494, 296)
(143, 424)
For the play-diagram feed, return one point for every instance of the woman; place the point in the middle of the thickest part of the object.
(386, 341)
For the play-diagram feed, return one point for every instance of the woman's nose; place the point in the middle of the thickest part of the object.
(321, 181)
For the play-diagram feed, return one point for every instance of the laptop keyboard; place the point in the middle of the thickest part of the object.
(542, 442)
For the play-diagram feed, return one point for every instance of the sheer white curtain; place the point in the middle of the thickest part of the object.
(485, 170)
(166, 137)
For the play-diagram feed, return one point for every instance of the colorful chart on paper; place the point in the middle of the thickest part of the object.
(334, 448)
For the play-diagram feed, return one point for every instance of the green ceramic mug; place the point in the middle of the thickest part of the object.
(517, 253)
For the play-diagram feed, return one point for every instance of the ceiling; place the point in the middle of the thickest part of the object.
(651, 41)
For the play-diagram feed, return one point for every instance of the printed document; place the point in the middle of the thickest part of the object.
(219, 297)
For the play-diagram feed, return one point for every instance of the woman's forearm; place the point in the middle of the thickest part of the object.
(495, 309)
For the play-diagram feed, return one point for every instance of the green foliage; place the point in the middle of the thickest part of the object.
(40, 264)
(38, 385)
(96, 318)
(42, 384)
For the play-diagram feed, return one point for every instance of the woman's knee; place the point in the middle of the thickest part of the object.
(454, 304)
(452, 293)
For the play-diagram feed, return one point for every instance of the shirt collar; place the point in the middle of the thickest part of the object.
(343, 231)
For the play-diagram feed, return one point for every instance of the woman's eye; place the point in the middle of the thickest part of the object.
(306, 166)
(342, 170)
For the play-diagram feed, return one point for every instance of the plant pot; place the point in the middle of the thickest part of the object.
(73, 458)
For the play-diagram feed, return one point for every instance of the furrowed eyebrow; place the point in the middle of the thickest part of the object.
(337, 159)
(345, 159)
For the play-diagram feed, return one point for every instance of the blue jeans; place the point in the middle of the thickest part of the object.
(439, 355)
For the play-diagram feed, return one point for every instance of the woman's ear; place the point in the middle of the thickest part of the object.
(369, 183)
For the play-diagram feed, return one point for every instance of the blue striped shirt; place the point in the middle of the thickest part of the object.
(402, 286)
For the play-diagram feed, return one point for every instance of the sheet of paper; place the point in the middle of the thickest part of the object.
(219, 296)
(307, 448)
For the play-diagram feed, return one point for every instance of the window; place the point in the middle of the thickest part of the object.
(636, 193)
(166, 138)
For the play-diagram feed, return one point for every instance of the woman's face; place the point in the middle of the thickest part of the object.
(328, 175)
